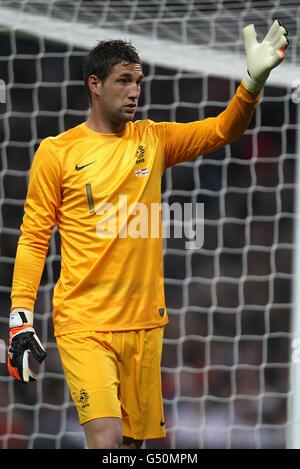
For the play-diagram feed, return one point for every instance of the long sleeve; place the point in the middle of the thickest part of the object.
(41, 206)
(183, 142)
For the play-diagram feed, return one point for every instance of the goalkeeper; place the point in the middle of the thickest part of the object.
(108, 305)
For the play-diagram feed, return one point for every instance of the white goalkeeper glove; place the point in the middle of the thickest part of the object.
(263, 56)
(22, 340)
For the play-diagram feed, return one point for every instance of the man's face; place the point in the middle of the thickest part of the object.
(119, 93)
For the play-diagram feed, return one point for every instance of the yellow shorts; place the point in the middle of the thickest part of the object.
(116, 374)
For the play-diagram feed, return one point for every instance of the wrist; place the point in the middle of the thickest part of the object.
(20, 317)
(252, 84)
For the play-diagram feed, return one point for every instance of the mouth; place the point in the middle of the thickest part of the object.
(130, 108)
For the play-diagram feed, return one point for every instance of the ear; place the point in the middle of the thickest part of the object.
(95, 85)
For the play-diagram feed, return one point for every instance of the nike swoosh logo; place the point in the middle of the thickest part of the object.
(78, 168)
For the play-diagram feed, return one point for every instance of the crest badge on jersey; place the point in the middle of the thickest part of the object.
(140, 154)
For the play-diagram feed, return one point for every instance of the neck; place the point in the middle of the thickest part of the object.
(97, 122)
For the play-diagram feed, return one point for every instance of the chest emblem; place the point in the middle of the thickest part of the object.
(140, 154)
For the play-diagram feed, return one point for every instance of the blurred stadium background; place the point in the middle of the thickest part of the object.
(227, 351)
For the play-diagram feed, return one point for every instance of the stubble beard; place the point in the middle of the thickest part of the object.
(120, 119)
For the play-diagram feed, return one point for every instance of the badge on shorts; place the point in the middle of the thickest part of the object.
(84, 398)
(161, 311)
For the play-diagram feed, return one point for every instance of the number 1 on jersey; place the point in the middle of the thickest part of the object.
(90, 199)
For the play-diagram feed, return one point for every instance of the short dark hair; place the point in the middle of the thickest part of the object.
(101, 59)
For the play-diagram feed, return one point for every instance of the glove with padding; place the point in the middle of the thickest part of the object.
(22, 340)
(263, 56)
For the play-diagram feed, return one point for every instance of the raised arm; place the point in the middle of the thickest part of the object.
(186, 141)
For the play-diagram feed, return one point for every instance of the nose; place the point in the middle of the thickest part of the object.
(135, 92)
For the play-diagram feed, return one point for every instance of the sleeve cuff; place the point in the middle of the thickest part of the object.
(20, 316)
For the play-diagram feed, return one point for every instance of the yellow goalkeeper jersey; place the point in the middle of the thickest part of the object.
(88, 184)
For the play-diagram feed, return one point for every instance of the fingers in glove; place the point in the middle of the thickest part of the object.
(280, 48)
(37, 349)
(13, 371)
(16, 364)
(277, 58)
(28, 374)
(282, 43)
(285, 30)
(280, 54)
(21, 370)
(272, 31)
(280, 34)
